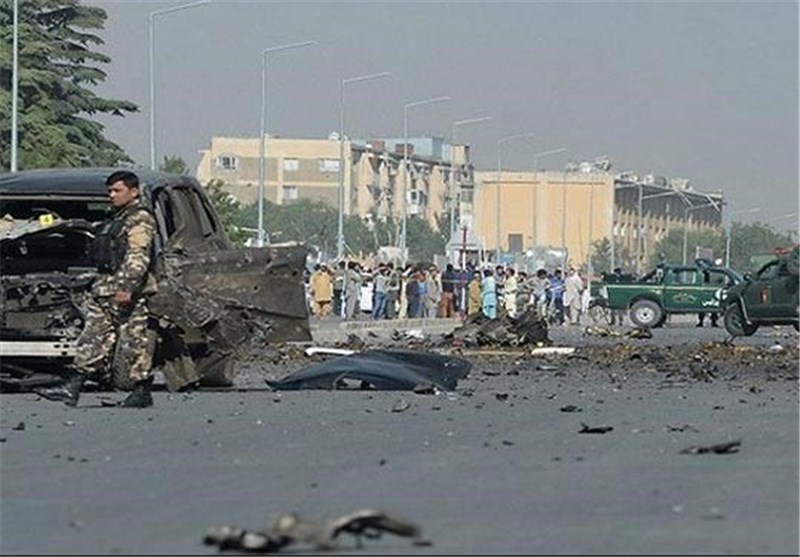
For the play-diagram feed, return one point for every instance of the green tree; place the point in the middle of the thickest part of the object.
(57, 70)
(229, 211)
(174, 165)
(753, 240)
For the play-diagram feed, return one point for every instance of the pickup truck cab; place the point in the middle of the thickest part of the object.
(212, 297)
(769, 297)
(671, 289)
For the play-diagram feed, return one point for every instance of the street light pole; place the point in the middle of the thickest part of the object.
(340, 229)
(639, 235)
(403, 231)
(152, 71)
(686, 212)
(545, 153)
(457, 123)
(14, 87)
(728, 232)
(500, 143)
(263, 130)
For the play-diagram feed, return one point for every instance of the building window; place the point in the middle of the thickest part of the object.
(227, 162)
(291, 165)
(329, 165)
(289, 194)
(515, 243)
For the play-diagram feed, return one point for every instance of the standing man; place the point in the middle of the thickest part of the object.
(338, 289)
(573, 288)
(352, 290)
(510, 290)
(116, 309)
(381, 286)
(321, 291)
(474, 300)
(489, 294)
(447, 301)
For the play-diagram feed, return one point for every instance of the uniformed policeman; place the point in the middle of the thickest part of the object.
(116, 311)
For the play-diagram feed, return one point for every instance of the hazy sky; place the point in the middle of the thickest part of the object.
(701, 90)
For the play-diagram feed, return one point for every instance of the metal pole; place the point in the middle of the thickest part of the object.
(14, 87)
(639, 234)
(262, 144)
(152, 72)
(685, 231)
(497, 200)
(404, 216)
(403, 256)
(536, 156)
(340, 229)
(262, 148)
(497, 208)
(453, 193)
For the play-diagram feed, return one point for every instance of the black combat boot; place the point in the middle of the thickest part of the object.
(68, 392)
(140, 397)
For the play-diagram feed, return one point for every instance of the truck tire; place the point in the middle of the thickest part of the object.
(646, 313)
(735, 323)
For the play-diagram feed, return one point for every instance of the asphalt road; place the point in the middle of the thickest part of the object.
(498, 466)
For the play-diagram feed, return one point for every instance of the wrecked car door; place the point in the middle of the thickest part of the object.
(215, 296)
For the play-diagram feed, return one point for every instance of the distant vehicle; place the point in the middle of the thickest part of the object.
(211, 295)
(671, 289)
(768, 297)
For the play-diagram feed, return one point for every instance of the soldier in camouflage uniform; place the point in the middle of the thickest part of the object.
(116, 310)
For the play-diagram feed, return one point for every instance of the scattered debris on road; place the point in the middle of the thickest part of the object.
(288, 529)
(720, 448)
(595, 429)
(479, 330)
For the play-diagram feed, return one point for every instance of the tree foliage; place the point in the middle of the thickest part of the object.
(746, 241)
(57, 70)
(174, 165)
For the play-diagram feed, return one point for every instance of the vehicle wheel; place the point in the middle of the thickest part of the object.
(646, 313)
(735, 322)
(216, 369)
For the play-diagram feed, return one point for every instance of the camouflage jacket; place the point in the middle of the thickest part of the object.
(137, 234)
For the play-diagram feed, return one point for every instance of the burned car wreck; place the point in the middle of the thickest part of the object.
(212, 297)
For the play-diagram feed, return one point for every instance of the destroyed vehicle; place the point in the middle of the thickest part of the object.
(769, 297)
(211, 296)
(671, 289)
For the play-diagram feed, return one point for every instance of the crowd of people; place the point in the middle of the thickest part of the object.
(423, 291)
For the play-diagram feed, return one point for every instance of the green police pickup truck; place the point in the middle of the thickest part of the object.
(769, 297)
(671, 289)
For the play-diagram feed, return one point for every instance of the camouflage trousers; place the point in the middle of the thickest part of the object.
(116, 335)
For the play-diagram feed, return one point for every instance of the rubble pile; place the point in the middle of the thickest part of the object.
(479, 330)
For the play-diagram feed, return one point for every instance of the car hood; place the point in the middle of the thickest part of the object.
(14, 229)
(390, 370)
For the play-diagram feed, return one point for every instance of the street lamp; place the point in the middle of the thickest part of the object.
(262, 131)
(728, 232)
(686, 212)
(14, 87)
(497, 193)
(453, 167)
(152, 69)
(340, 230)
(405, 169)
(639, 237)
(545, 153)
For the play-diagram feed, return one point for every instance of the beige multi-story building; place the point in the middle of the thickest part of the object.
(522, 211)
(373, 183)
(515, 211)
(571, 210)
